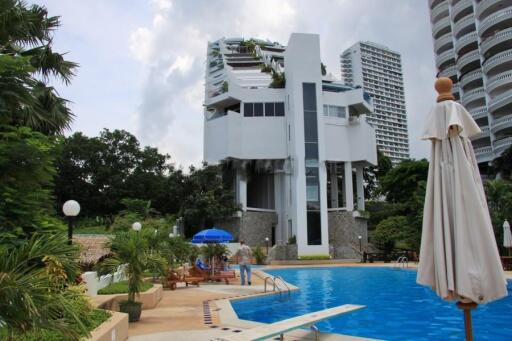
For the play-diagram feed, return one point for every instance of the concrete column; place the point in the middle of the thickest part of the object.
(241, 188)
(349, 188)
(334, 185)
(360, 187)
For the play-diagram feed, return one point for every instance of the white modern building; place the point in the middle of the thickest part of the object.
(378, 70)
(473, 47)
(291, 142)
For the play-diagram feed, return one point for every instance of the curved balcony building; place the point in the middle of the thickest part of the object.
(473, 46)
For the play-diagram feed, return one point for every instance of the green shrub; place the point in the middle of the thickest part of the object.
(292, 240)
(278, 80)
(314, 257)
(388, 232)
(266, 68)
(121, 288)
(258, 255)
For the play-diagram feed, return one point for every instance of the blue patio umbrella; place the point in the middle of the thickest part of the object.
(212, 236)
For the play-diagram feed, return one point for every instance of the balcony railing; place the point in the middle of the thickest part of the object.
(500, 101)
(448, 72)
(441, 24)
(441, 8)
(503, 14)
(467, 58)
(483, 154)
(459, 6)
(473, 95)
(495, 39)
(463, 23)
(484, 5)
(502, 123)
(501, 145)
(470, 77)
(502, 57)
(465, 40)
(500, 79)
(445, 57)
(443, 41)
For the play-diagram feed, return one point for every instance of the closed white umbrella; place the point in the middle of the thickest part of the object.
(507, 235)
(459, 257)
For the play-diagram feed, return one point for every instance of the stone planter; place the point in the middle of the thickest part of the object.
(149, 299)
(115, 328)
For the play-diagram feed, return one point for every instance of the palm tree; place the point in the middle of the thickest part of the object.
(27, 62)
(34, 275)
(131, 250)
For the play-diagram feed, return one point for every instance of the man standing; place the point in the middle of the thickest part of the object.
(244, 255)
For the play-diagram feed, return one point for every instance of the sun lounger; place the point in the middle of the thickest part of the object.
(173, 279)
(224, 275)
(279, 328)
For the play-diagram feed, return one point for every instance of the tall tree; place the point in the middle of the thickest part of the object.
(27, 63)
(372, 175)
(401, 182)
(502, 165)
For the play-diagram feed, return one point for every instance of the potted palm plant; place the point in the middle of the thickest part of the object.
(130, 250)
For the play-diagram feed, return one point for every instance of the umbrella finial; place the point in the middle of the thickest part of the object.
(444, 88)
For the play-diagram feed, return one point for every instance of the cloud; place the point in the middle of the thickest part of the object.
(173, 50)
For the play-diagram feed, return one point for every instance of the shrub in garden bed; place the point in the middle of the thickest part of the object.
(122, 288)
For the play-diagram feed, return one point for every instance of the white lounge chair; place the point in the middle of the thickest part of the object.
(281, 327)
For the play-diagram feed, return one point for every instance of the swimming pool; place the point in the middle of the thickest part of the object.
(396, 307)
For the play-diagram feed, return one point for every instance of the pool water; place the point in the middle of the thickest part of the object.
(396, 307)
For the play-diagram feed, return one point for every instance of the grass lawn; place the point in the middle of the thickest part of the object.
(121, 288)
(91, 230)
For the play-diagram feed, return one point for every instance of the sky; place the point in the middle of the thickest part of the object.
(142, 62)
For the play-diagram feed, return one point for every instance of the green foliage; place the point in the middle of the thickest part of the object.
(372, 175)
(26, 173)
(225, 86)
(122, 288)
(292, 240)
(266, 68)
(35, 291)
(503, 164)
(314, 257)
(140, 207)
(400, 183)
(499, 200)
(258, 255)
(323, 69)
(214, 250)
(131, 249)
(250, 45)
(179, 251)
(388, 232)
(278, 80)
(27, 62)
(207, 199)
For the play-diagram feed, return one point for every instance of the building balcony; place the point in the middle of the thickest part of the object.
(466, 60)
(465, 40)
(501, 102)
(443, 43)
(441, 27)
(456, 90)
(490, 42)
(497, 60)
(469, 78)
(464, 25)
(498, 21)
(235, 136)
(502, 123)
(474, 95)
(460, 8)
(439, 12)
(478, 113)
(483, 154)
(499, 82)
(449, 72)
(445, 58)
(486, 8)
(500, 146)
(433, 3)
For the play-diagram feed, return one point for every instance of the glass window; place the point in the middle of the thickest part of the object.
(336, 111)
(248, 109)
(314, 228)
(326, 110)
(269, 109)
(258, 109)
(310, 127)
(309, 96)
(312, 193)
(279, 109)
(311, 151)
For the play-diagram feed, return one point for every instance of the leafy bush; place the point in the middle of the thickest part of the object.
(292, 240)
(388, 232)
(266, 68)
(121, 288)
(278, 80)
(258, 255)
(314, 257)
(225, 86)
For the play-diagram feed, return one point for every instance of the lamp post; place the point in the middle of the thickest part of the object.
(360, 237)
(136, 226)
(266, 240)
(71, 208)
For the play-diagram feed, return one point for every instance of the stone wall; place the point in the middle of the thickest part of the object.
(344, 230)
(252, 227)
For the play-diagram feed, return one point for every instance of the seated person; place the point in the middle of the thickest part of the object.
(201, 265)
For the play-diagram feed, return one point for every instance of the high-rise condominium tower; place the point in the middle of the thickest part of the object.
(473, 46)
(378, 70)
(289, 139)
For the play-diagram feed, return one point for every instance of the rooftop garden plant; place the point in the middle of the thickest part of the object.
(266, 68)
(278, 80)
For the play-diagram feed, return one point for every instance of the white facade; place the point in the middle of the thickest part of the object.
(378, 70)
(291, 150)
(473, 46)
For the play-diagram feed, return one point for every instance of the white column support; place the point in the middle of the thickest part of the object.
(349, 188)
(241, 188)
(334, 185)
(360, 187)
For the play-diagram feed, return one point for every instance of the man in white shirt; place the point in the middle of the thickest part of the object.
(244, 255)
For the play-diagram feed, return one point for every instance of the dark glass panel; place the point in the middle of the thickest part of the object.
(279, 109)
(269, 109)
(314, 228)
(248, 109)
(310, 127)
(309, 96)
(258, 109)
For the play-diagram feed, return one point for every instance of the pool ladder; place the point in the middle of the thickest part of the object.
(402, 262)
(273, 281)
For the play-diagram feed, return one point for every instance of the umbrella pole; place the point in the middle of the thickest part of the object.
(468, 325)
